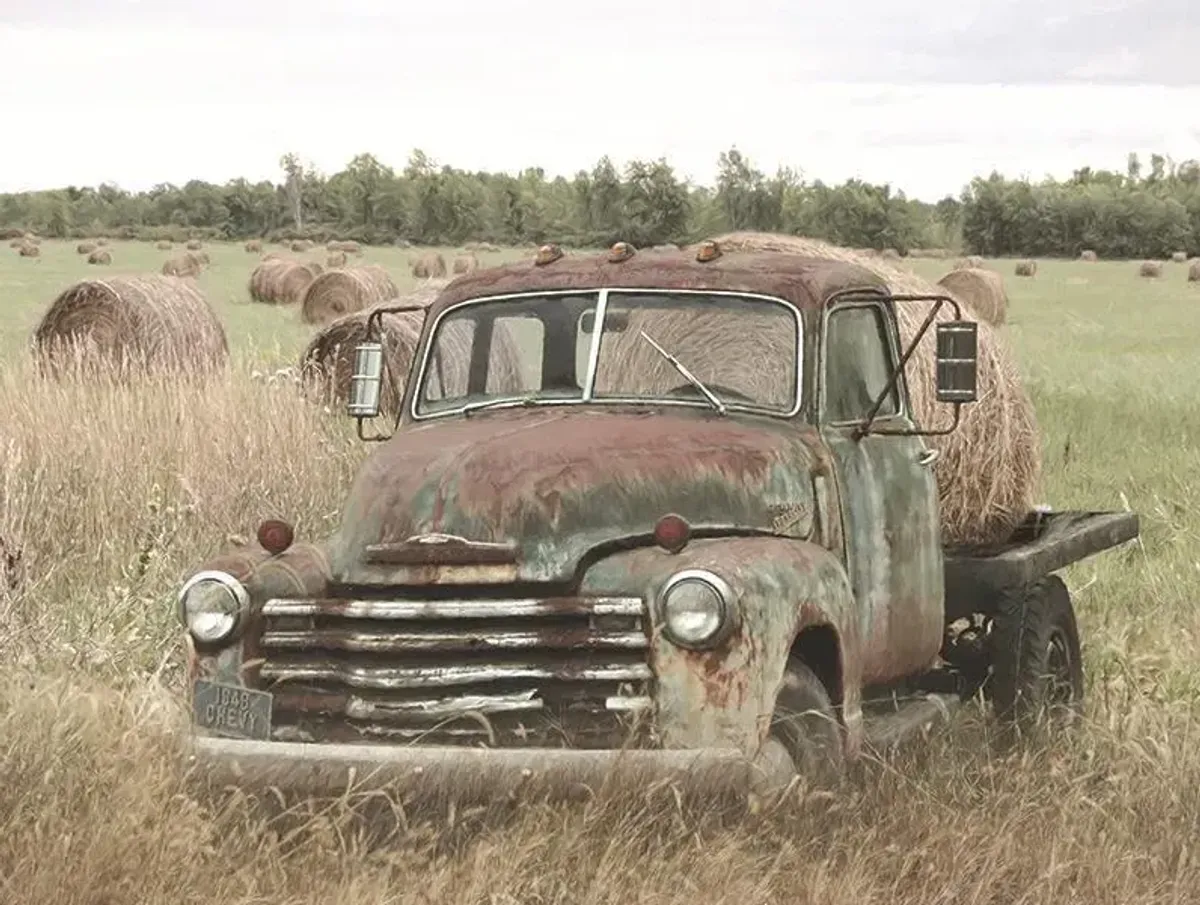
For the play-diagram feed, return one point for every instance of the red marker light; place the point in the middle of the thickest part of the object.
(672, 533)
(275, 536)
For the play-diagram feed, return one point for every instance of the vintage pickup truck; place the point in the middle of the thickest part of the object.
(598, 534)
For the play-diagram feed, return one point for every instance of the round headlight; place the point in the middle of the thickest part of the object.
(210, 605)
(696, 608)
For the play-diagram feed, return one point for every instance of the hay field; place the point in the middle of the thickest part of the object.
(112, 495)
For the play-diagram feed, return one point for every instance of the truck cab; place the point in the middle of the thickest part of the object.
(667, 510)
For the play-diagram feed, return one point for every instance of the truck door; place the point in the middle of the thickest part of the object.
(888, 492)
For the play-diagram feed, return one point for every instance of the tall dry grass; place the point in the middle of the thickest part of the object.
(113, 493)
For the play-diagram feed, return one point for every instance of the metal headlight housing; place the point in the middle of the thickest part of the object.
(211, 605)
(697, 609)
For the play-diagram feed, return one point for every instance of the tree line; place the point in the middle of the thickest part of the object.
(1142, 212)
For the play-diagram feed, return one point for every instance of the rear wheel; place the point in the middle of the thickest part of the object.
(1037, 665)
(806, 727)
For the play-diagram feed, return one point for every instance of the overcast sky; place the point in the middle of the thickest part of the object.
(923, 96)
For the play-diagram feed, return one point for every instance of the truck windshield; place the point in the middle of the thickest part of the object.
(737, 351)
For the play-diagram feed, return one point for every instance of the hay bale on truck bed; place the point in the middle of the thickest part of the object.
(282, 281)
(148, 323)
(339, 292)
(981, 289)
(991, 466)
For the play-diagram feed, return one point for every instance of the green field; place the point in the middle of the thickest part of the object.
(113, 494)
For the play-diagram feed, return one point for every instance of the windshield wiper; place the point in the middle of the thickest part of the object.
(526, 400)
(686, 374)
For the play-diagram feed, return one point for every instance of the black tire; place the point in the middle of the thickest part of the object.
(1037, 667)
(807, 726)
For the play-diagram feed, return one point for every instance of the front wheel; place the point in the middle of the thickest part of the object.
(1037, 664)
(805, 726)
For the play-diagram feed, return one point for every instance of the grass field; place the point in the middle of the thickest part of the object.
(114, 495)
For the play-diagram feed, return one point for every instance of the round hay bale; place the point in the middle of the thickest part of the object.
(465, 263)
(11, 232)
(102, 241)
(970, 261)
(328, 361)
(16, 243)
(1194, 271)
(254, 246)
(339, 292)
(481, 247)
(1025, 268)
(1150, 269)
(194, 245)
(181, 266)
(148, 323)
(200, 257)
(163, 245)
(33, 239)
(891, 254)
(29, 250)
(301, 245)
(282, 281)
(1088, 255)
(335, 259)
(1179, 257)
(990, 470)
(429, 266)
(85, 248)
(981, 289)
(348, 246)
(100, 256)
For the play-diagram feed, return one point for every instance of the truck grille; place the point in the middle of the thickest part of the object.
(556, 672)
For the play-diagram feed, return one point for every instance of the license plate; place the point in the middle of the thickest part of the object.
(232, 711)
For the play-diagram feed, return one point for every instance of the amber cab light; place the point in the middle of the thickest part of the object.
(275, 536)
(621, 251)
(709, 251)
(548, 254)
(672, 533)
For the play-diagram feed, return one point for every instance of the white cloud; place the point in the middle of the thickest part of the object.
(152, 98)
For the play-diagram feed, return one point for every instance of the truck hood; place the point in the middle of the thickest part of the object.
(554, 484)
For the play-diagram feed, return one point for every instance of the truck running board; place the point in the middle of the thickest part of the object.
(889, 728)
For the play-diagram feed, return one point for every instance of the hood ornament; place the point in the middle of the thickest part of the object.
(441, 549)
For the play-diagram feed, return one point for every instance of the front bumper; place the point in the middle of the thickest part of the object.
(334, 769)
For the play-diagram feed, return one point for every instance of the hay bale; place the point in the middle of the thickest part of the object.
(1025, 268)
(29, 250)
(969, 262)
(181, 266)
(1179, 257)
(429, 266)
(11, 232)
(1194, 271)
(348, 246)
(466, 263)
(33, 239)
(1088, 255)
(194, 245)
(301, 245)
(200, 257)
(254, 246)
(990, 471)
(328, 361)
(335, 259)
(101, 241)
(981, 289)
(163, 245)
(100, 256)
(891, 254)
(282, 281)
(481, 247)
(1150, 269)
(339, 292)
(148, 323)
(85, 248)
(16, 243)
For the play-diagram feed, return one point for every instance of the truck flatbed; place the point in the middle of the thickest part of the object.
(1045, 542)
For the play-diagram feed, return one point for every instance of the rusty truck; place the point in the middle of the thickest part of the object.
(596, 535)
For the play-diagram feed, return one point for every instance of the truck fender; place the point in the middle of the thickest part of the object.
(725, 697)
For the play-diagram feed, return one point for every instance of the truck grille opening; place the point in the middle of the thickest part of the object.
(537, 672)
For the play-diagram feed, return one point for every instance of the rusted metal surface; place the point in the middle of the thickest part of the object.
(559, 484)
(807, 282)
(727, 695)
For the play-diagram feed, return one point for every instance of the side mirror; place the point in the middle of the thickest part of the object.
(957, 361)
(366, 380)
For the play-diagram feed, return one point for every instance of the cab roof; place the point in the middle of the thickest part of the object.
(806, 282)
